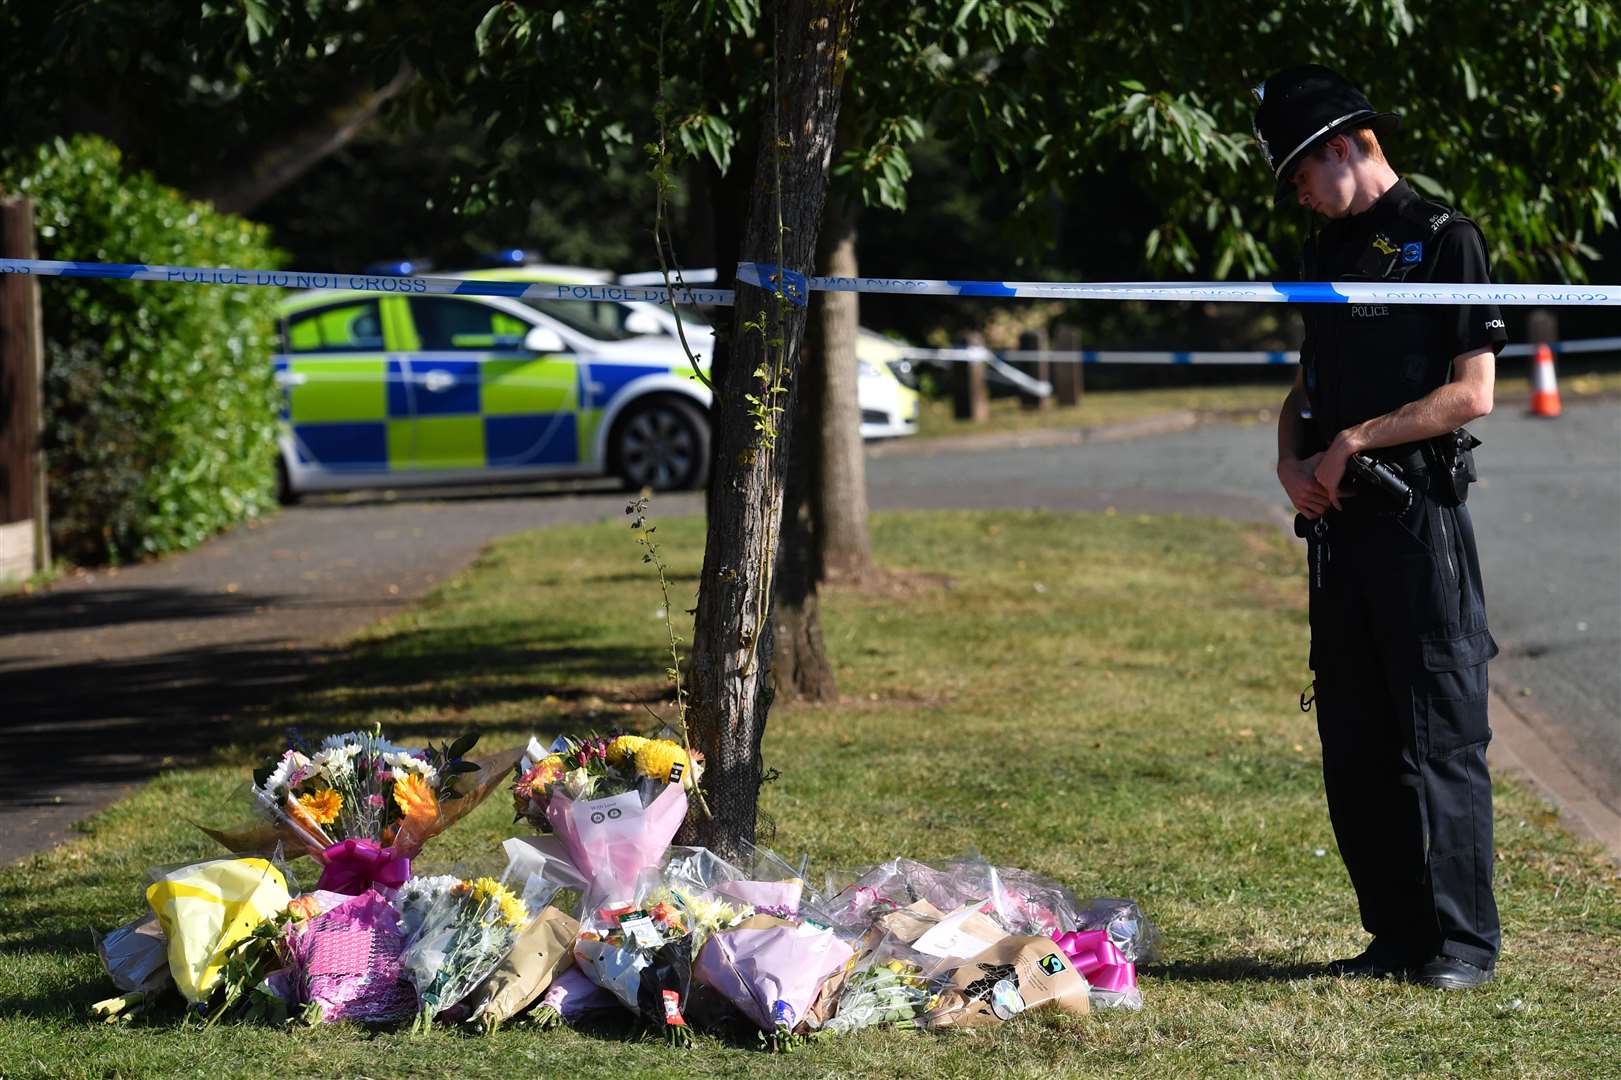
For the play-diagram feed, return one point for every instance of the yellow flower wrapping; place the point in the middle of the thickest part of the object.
(206, 908)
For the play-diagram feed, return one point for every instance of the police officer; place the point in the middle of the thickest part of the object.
(1399, 641)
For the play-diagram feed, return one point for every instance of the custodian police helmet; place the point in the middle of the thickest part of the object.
(1304, 106)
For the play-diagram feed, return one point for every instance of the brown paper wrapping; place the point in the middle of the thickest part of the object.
(540, 954)
(905, 924)
(1015, 975)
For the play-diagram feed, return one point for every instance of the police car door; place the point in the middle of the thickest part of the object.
(481, 399)
(339, 388)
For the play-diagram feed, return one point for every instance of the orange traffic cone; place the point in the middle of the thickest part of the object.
(1544, 387)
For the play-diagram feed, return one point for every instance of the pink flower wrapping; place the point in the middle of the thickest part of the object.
(348, 962)
(617, 837)
(770, 895)
(771, 973)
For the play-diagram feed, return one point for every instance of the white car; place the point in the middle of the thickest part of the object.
(888, 406)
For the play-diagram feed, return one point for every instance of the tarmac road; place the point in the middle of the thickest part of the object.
(1547, 519)
(106, 679)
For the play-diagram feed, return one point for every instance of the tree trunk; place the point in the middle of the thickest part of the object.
(800, 669)
(841, 494)
(732, 640)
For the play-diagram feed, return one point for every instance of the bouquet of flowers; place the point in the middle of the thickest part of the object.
(641, 951)
(345, 964)
(771, 968)
(456, 932)
(539, 956)
(207, 908)
(883, 989)
(1020, 901)
(760, 882)
(363, 806)
(615, 803)
(1017, 974)
(571, 998)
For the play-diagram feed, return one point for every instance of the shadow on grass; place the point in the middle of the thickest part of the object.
(67, 726)
(1233, 969)
(94, 609)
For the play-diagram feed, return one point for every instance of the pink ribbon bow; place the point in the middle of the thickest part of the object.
(1098, 959)
(353, 866)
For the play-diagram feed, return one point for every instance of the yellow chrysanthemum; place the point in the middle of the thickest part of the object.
(416, 800)
(624, 748)
(321, 807)
(513, 913)
(658, 757)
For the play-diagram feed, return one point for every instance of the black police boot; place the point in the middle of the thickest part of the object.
(1449, 973)
(1380, 960)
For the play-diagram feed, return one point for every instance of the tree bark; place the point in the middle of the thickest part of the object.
(841, 496)
(732, 638)
(800, 669)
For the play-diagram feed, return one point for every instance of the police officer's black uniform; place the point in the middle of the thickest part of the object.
(1399, 640)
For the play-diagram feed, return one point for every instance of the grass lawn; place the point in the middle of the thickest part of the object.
(1106, 699)
(1244, 403)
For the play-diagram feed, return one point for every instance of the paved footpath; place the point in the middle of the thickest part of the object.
(106, 679)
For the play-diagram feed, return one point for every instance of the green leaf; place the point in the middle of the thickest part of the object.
(259, 19)
(481, 36)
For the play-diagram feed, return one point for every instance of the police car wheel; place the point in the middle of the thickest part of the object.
(285, 495)
(662, 444)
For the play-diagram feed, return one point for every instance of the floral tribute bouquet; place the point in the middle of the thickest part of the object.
(771, 969)
(1019, 901)
(345, 964)
(886, 987)
(641, 949)
(616, 803)
(571, 998)
(457, 931)
(759, 881)
(363, 806)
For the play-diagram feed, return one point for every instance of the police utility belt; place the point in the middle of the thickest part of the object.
(1384, 481)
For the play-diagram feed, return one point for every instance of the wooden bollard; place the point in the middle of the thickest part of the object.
(1068, 383)
(970, 399)
(1035, 341)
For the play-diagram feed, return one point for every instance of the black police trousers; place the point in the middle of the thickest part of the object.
(1399, 646)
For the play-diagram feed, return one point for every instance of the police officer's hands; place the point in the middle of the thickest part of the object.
(1299, 479)
(1330, 468)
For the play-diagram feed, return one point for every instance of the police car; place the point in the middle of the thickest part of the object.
(401, 390)
(889, 407)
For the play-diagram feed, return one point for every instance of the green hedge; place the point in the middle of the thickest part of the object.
(159, 405)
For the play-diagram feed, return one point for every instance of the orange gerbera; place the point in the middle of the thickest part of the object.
(321, 807)
(416, 800)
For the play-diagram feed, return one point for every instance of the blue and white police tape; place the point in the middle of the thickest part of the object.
(980, 354)
(376, 283)
(797, 286)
